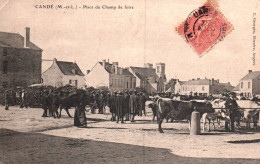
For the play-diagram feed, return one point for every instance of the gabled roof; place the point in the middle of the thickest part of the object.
(68, 67)
(251, 75)
(144, 73)
(15, 41)
(109, 67)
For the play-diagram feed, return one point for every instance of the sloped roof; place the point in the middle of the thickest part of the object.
(109, 67)
(197, 82)
(251, 75)
(15, 41)
(68, 67)
(126, 72)
(144, 73)
(236, 88)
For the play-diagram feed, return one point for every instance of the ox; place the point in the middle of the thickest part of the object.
(180, 110)
(249, 114)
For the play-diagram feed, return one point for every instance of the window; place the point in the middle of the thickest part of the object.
(76, 72)
(76, 82)
(163, 69)
(241, 84)
(70, 81)
(5, 63)
(203, 88)
(4, 52)
(158, 69)
(248, 84)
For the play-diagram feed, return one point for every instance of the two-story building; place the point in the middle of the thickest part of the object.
(203, 87)
(250, 84)
(61, 73)
(110, 75)
(20, 60)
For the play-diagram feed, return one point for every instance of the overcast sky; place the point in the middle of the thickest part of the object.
(134, 36)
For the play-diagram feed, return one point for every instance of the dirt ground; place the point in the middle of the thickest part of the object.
(26, 137)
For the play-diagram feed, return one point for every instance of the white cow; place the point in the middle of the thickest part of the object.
(219, 113)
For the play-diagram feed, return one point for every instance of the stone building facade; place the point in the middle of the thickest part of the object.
(202, 87)
(20, 60)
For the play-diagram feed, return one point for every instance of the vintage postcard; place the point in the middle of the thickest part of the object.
(129, 81)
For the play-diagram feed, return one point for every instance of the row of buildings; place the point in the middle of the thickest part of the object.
(21, 65)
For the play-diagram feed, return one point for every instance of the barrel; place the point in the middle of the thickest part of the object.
(195, 123)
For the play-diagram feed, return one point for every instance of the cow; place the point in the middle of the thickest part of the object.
(222, 112)
(153, 106)
(180, 110)
(249, 114)
(72, 98)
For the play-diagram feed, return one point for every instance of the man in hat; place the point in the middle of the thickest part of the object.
(7, 99)
(133, 105)
(142, 100)
(232, 106)
(112, 105)
(126, 105)
(120, 111)
(23, 99)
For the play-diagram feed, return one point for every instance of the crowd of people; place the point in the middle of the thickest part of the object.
(123, 105)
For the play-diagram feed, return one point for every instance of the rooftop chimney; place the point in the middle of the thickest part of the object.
(27, 37)
(104, 63)
(212, 81)
(249, 71)
(116, 69)
(88, 71)
(54, 60)
(148, 65)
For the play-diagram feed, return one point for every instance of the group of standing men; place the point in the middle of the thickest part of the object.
(126, 105)
(11, 98)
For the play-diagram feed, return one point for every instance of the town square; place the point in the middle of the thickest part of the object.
(126, 82)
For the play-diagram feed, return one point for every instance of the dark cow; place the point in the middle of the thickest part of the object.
(74, 98)
(180, 110)
(153, 106)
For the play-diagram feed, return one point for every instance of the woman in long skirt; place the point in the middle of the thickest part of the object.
(80, 119)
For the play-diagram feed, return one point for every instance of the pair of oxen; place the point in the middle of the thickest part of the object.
(230, 111)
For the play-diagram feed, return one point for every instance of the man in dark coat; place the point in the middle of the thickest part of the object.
(133, 105)
(92, 102)
(101, 103)
(112, 105)
(126, 105)
(120, 111)
(7, 99)
(142, 100)
(232, 106)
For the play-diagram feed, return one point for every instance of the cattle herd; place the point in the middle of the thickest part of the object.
(125, 105)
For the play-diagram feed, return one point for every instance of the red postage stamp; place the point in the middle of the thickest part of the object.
(204, 27)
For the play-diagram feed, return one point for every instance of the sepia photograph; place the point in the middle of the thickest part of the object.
(129, 81)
